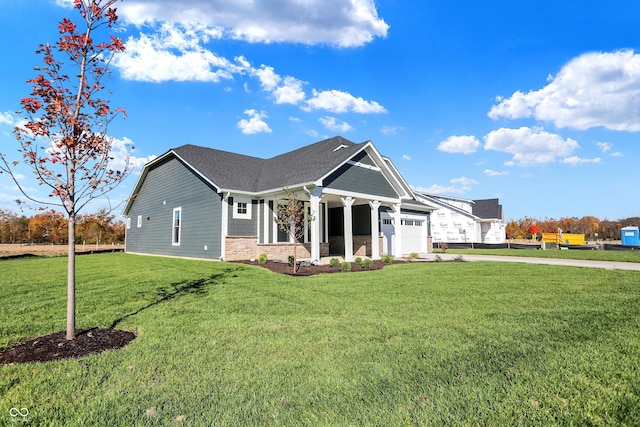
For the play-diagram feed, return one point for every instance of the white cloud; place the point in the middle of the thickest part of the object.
(7, 119)
(465, 144)
(464, 181)
(575, 160)
(337, 101)
(529, 146)
(344, 23)
(122, 152)
(64, 3)
(269, 79)
(406, 157)
(332, 124)
(491, 172)
(174, 53)
(177, 53)
(606, 147)
(290, 92)
(593, 90)
(391, 130)
(255, 124)
(458, 186)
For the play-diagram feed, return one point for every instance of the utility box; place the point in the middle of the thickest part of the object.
(630, 236)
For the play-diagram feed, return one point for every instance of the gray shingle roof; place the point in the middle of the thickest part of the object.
(245, 173)
(487, 209)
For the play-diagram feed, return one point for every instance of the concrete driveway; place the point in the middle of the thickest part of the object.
(607, 265)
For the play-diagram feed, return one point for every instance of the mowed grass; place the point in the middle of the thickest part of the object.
(413, 344)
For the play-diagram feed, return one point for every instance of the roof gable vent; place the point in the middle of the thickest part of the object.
(339, 147)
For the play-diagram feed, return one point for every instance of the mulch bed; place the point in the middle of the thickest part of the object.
(304, 270)
(56, 346)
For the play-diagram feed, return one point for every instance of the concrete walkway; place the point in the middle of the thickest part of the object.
(608, 265)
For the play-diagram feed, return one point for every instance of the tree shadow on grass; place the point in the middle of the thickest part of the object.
(179, 289)
(55, 346)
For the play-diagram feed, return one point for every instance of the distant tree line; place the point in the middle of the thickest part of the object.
(592, 227)
(50, 227)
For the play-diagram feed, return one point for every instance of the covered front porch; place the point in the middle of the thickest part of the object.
(349, 224)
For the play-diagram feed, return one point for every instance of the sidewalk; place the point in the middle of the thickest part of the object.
(608, 265)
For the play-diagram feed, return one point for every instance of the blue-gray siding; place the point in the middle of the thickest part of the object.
(172, 185)
(361, 180)
(244, 227)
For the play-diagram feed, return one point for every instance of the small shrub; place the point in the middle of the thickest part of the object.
(414, 255)
(345, 266)
(367, 263)
(291, 259)
(358, 260)
(334, 262)
(262, 259)
(438, 258)
(387, 259)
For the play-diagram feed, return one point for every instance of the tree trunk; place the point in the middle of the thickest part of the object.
(71, 280)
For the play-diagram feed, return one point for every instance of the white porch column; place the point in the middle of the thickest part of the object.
(375, 230)
(314, 198)
(266, 220)
(347, 202)
(225, 225)
(397, 225)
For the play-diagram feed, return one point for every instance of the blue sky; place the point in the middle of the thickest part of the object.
(536, 103)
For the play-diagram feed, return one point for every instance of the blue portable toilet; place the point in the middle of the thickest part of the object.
(630, 236)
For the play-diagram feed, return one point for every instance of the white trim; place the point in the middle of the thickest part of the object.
(225, 224)
(347, 203)
(315, 225)
(344, 193)
(364, 165)
(173, 226)
(139, 221)
(375, 229)
(242, 203)
(265, 221)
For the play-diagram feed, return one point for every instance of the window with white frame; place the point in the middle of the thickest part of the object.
(139, 221)
(241, 208)
(128, 222)
(176, 226)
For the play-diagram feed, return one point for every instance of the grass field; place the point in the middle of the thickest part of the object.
(413, 344)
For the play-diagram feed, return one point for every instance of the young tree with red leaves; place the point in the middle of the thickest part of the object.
(64, 140)
(291, 218)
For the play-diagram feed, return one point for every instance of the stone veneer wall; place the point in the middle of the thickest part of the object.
(361, 245)
(242, 248)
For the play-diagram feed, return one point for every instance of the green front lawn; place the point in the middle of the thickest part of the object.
(427, 344)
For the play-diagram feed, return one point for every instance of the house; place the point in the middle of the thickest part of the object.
(200, 202)
(459, 220)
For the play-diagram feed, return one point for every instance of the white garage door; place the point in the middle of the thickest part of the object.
(414, 236)
(414, 233)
